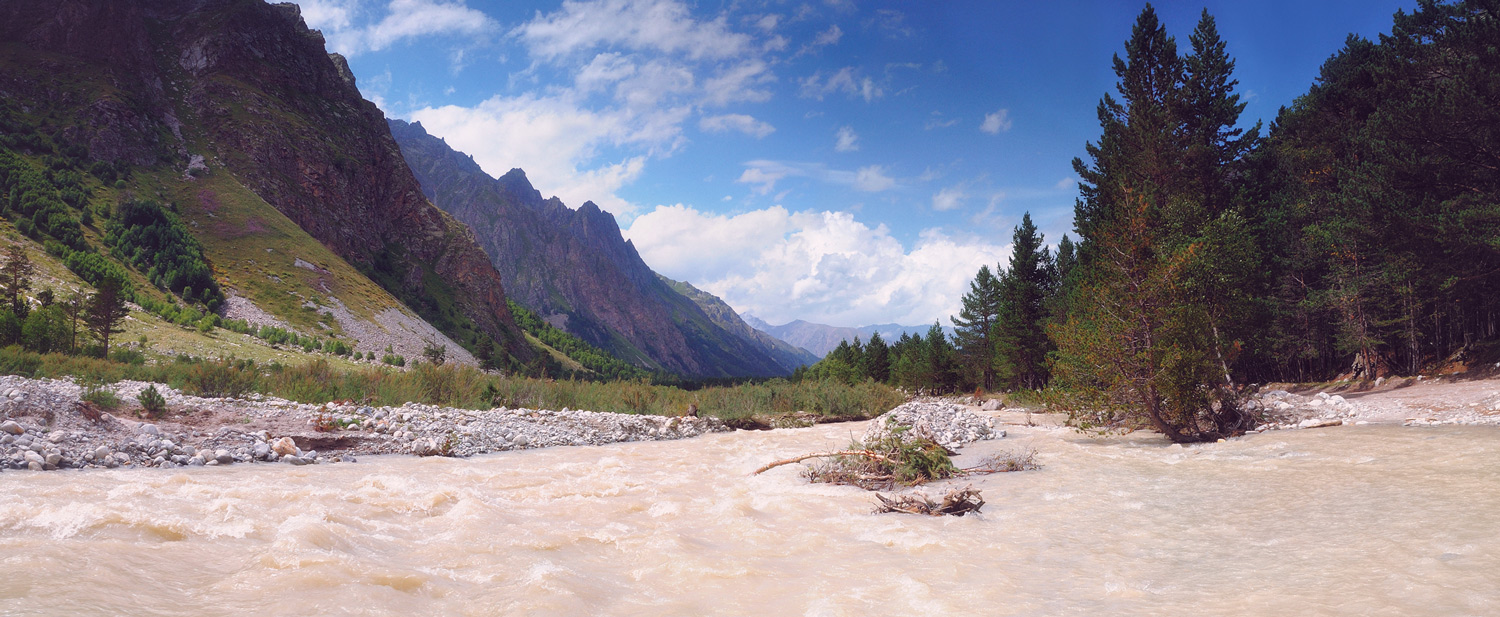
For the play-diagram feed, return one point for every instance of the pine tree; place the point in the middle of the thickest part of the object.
(1140, 340)
(106, 309)
(940, 374)
(975, 324)
(15, 278)
(1022, 343)
(877, 360)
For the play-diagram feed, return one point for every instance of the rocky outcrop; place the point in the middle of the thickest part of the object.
(575, 269)
(255, 91)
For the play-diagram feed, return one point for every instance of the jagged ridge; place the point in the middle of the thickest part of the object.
(575, 269)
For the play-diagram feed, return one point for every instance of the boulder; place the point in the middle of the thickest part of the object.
(11, 427)
(1319, 422)
(284, 447)
(993, 404)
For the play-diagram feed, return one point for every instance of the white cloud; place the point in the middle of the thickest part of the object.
(330, 15)
(403, 19)
(846, 140)
(765, 179)
(844, 80)
(1065, 184)
(825, 38)
(738, 83)
(736, 122)
(996, 122)
(765, 174)
(948, 198)
(556, 141)
(657, 25)
(822, 266)
(937, 121)
(872, 179)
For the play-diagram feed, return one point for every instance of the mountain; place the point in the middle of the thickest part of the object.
(789, 356)
(234, 113)
(821, 339)
(576, 271)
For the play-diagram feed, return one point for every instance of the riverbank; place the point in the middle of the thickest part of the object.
(45, 425)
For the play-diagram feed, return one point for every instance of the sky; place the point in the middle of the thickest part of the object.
(840, 161)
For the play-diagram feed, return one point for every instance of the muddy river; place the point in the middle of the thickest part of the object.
(1366, 520)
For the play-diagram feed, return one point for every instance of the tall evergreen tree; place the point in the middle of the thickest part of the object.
(974, 327)
(106, 309)
(877, 360)
(1140, 339)
(15, 278)
(1021, 339)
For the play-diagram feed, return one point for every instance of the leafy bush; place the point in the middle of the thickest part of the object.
(152, 401)
(128, 356)
(219, 379)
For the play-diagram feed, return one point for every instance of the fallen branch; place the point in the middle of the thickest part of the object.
(957, 502)
(864, 453)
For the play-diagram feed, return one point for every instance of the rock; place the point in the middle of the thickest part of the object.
(261, 450)
(223, 457)
(101, 453)
(993, 404)
(944, 423)
(296, 460)
(150, 429)
(197, 461)
(11, 427)
(284, 447)
(1319, 422)
(57, 436)
(1336, 400)
(425, 447)
(53, 459)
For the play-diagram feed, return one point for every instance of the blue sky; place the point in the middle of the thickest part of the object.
(839, 161)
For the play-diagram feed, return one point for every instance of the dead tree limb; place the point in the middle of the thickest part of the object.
(864, 453)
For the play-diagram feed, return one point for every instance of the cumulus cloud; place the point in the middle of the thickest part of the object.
(736, 122)
(556, 141)
(821, 266)
(948, 199)
(845, 80)
(658, 25)
(996, 122)
(845, 140)
(403, 19)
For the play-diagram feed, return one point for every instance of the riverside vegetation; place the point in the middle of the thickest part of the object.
(1357, 237)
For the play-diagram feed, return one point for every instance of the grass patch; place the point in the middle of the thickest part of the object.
(322, 381)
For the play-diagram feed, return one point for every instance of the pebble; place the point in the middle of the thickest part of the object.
(10, 426)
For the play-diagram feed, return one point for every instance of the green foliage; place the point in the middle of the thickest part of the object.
(152, 401)
(598, 361)
(95, 392)
(225, 378)
(976, 325)
(39, 201)
(151, 238)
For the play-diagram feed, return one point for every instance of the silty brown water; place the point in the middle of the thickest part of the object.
(1369, 520)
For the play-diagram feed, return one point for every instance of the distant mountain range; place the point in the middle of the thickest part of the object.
(576, 271)
(821, 338)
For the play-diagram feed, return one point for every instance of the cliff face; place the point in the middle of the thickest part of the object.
(576, 271)
(248, 86)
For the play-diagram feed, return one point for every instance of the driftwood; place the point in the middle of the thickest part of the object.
(864, 453)
(957, 502)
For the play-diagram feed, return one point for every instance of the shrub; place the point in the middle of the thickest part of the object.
(128, 356)
(95, 392)
(152, 401)
(219, 379)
